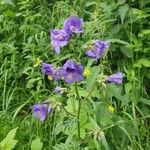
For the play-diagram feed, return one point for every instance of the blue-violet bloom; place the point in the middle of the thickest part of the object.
(48, 70)
(115, 78)
(98, 49)
(59, 38)
(73, 24)
(71, 72)
(41, 111)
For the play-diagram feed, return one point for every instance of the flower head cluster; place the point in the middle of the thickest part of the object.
(71, 71)
(60, 38)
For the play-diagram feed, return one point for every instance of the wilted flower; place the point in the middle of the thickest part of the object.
(98, 49)
(99, 135)
(73, 24)
(111, 109)
(59, 38)
(71, 72)
(41, 111)
(116, 78)
(60, 90)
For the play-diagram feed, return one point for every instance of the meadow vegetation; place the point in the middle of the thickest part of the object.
(92, 114)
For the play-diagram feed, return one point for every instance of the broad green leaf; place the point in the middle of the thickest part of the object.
(122, 12)
(127, 51)
(128, 87)
(145, 101)
(144, 61)
(9, 142)
(93, 77)
(36, 144)
(144, 32)
(119, 41)
(72, 106)
(61, 146)
(90, 3)
(7, 2)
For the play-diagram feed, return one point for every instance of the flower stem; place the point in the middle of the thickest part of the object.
(79, 110)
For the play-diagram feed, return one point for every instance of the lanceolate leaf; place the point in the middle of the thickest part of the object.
(122, 12)
(9, 142)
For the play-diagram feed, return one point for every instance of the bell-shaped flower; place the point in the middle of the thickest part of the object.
(73, 24)
(115, 78)
(59, 38)
(71, 72)
(41, 111)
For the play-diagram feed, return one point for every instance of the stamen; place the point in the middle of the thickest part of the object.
(50, 78)
(72, 28)
(69, 77)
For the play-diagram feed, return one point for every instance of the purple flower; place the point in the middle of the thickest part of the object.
(41, 111)
(98, 50)
(71, 72)
(59, 38)
(116, 78)
(73, 24)
(52, 73)
(48, 70)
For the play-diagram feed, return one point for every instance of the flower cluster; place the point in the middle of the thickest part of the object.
(71, 71)
(60, 38)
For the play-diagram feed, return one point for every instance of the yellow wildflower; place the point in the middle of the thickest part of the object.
(37, 62)
(87, 72)
(111, 109)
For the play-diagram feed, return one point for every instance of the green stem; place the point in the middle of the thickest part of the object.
(79, 110)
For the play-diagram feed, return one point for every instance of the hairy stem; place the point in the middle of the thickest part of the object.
(79, 110)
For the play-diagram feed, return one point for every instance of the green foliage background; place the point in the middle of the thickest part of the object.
(24, 36)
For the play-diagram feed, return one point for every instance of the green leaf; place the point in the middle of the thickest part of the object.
(119, 41)
(93, 77)
(72, 106)
(144, 61)
(128, 87)
(145, 101)
(127, 51)
(8, 142)
(144, 32)
(90, 3)
(122, 11)
(36, 144)
(7, 2)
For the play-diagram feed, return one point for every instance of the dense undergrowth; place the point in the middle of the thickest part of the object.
(25, 36)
